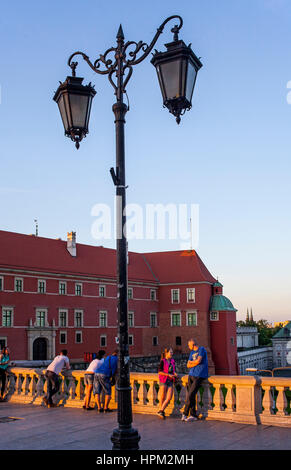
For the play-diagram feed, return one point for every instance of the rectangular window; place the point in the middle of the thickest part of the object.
(3, 342)
(78, 318)
(102, 291)
(191, 295)
(7, 317)
(130, 293)
(79, 337)
(191, 318)
(103, 341)
(176, 319)
(1, 284)
(214, 316)
(63, 318)
(103, 319)
(41, 286)
(62, 288)
(78, 289)
(155, 341)
(153, 294)
(178, 341)
(41, 318)
(63, 337)
(153, 321)
(175, 296)
(130, 319)
(18, 285)
(130, 340)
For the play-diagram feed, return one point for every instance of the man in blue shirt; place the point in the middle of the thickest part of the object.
(103, 381)
(198, 371)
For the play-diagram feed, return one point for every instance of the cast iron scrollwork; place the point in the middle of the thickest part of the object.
(124, 58)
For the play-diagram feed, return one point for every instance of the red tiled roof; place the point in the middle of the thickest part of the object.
(46, 254)
(179, 266)
(49, 255)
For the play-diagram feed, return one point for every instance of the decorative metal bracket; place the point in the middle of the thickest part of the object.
(123, 58)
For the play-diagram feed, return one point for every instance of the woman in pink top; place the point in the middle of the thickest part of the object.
(167, 375)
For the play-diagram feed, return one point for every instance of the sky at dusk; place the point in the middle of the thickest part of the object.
(230, 155)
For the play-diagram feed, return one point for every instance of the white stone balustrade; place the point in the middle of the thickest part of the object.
(240, 399)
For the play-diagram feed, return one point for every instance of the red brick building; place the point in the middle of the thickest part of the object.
(58, 294)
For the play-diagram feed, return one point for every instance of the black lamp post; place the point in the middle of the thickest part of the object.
(177, 69)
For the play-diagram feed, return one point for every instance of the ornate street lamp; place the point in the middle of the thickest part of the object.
(177, 70)
(74, 100)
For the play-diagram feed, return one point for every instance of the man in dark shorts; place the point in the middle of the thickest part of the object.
(198, 371)
(102, 381)
(52, 376)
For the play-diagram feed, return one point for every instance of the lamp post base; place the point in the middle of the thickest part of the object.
(125, 439)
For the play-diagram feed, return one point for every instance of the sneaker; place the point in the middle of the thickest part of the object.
(191, 418)
(184, 418)
(100, 410)
(161, 414)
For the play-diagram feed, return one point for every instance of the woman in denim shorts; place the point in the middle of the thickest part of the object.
(167, 375)
(89, 378)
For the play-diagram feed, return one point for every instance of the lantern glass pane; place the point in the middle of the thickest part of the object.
(191, 78)
(171, 77)
(63, 112)
(68, 109)
(79, 105)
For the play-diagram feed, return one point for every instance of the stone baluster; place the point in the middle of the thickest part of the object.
(218, 398)
(79, 389)
(150, 394)
(32, 384)
(135, 392)
(155, 393)
(268, 400)
(26, 383)
(183, 394)
(281, 403)
(144, 386)
(19, 384)
(206, 398)
(72, 387)
(12, 383)
(230, 398)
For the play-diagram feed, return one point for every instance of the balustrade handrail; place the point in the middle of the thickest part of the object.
(244, 399)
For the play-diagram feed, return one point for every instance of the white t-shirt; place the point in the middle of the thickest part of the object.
(94, 365)
(59, 363)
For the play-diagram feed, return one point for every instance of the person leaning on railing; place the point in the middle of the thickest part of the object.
(52, 376)
(89, 378)
(103, 381)
(198, 371)
(4, 364)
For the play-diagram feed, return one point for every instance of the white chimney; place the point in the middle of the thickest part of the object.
(71, 244)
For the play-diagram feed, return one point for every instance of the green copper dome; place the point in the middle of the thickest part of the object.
(285, 332)
(221, 303)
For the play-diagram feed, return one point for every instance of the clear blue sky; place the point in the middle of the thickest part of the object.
(230, 154)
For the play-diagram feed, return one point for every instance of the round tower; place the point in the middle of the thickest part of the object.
(223, 332)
